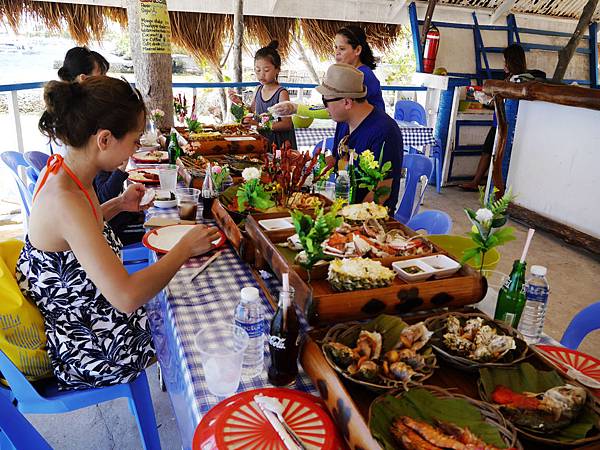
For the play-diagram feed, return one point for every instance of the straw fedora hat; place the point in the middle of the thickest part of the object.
(343, 80)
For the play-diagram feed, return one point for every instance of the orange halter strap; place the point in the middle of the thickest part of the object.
(54, 163)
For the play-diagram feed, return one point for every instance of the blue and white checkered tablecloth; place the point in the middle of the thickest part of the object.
(181, 310)
(415, 136)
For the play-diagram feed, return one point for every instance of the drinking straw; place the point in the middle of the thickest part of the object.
(527, 242)
(324, 146)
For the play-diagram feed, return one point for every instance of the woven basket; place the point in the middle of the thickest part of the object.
(437, 325)
(340, 332)
(591, 403)
(490, 414)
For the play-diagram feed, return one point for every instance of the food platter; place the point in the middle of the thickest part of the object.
(146, 176)
(151, 156)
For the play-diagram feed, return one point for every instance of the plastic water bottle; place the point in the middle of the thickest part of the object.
(342, 185)
(536, 302)
(249, 315)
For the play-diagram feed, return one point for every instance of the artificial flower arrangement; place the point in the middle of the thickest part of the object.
(265, 121)
(156, 114)
(219, 174)
(371, 173)
(488, 221)
(180, 106)
(252, 193)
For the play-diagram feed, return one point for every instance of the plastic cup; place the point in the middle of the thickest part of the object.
(168, 177)
(326, 188)
(187, 203)
(222, 348)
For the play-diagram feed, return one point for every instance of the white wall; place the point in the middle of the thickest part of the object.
(555, 164)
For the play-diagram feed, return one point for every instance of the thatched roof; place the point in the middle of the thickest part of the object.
(202, 34)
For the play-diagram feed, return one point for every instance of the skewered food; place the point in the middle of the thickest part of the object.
(544, 412)
(476, 341)
(358, 273)
(416, 434)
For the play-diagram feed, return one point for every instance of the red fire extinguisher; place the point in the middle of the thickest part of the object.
(432, 43)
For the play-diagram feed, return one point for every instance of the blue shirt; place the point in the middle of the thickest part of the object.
(371, 134)
(374, 96)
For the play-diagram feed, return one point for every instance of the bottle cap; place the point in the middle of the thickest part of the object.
(342, 172)
(540, 271)
(249, 294)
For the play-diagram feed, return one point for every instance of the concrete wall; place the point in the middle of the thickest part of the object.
(555, 164)
(457, 47)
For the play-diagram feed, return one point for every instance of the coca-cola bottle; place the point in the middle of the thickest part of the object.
(283, 341)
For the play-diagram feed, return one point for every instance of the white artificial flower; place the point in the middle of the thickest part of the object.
(484, 215)
(250, 173)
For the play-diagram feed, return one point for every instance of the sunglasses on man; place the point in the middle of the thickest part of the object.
(327, 101)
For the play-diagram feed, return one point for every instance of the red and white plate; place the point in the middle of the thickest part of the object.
(152, 156)
(146, 176)
(586, 364)
(237, 423)
(161, 240)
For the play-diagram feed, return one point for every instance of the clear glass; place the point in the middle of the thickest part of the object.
(150, 136)
(222, 348)
(326, 188)
(187, 203)
(167, 174)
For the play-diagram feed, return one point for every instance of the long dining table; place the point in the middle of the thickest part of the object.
(180, 310)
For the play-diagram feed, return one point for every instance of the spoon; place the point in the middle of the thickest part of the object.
(274, 405)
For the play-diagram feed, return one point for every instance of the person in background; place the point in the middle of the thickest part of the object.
(351, 47)
(267, 64)
(368, 128)
(95, 322)
(515, 69)
(79, 64)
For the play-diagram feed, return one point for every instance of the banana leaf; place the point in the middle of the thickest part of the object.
(526, 378)
(390, 328)
(421, 404)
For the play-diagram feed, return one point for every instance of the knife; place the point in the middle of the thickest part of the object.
(288, 439)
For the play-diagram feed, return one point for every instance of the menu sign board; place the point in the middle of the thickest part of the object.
(155, 26)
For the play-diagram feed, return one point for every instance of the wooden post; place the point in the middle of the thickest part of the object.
(500, 145)
(238, 41)
(151, 52)
(306, 60)
(565, 55)
(427, 21)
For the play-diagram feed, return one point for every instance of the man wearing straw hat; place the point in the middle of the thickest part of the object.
(367, 127)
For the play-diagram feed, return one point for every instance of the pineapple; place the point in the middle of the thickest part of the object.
(358, 273)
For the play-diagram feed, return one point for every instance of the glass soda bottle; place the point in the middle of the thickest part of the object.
(174, 150)
(283, 342)
(511, 298)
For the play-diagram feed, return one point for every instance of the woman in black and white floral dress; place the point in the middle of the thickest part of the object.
(96, 326)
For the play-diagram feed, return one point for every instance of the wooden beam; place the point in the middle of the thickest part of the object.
(565, 55)
(427, 21)
(500, 145)
(502, 9)
(238, 40)
(564, 232)
(553, 93)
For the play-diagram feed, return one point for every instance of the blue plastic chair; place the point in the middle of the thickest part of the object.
(328, 145)
(432, 221)
(15, 431)
(135, 257)
(37, 160)
(13, 161)
(416, 166)
(45, 398)
(409, 111)
(584, 322)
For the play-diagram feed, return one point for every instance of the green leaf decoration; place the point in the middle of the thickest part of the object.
(469, 254)
(421, 404)
(526, 378)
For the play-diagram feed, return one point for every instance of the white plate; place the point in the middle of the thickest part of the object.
(442, 265)
(148, 197)
(239, 138)
(151, 156)
(164, 239)
(137, 176)
(164, 203)
(282, 223)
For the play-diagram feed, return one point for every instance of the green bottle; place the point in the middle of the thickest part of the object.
(511, 298)
(174, 150)
(352, 174)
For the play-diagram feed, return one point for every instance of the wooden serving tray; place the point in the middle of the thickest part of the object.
(349, 403)
(223, 146)
(321, 304)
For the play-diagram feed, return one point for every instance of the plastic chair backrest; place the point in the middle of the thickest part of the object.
(328, 145)
(433, 221)
(409, 111)
(416, 166)
(19, 432)
(584, 322)
(37, 160)
(13, 161)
